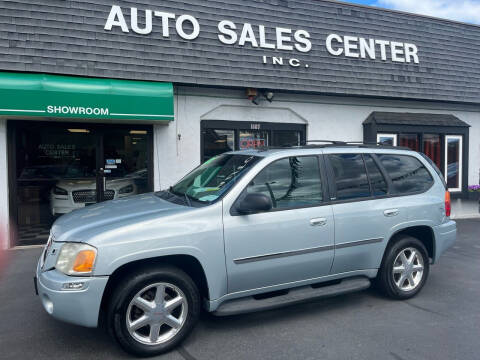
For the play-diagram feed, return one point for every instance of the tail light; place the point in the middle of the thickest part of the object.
(448, 204)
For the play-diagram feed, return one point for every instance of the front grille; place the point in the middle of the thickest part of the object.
(90, 196)
(84, 196)
(108, 194)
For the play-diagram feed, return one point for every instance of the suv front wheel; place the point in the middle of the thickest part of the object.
(404, 268)
(153, 310)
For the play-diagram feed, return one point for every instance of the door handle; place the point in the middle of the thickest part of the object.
(318, 222)
(391, 212)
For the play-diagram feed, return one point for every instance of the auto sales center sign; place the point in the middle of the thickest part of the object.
(245, 34)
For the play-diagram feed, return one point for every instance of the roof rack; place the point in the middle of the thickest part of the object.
(326, 141)
(312, 144)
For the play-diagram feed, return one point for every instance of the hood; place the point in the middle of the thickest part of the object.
(90, 184)
(112, 214)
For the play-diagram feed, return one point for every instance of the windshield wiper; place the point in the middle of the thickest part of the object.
(185, 195)
(188, 199)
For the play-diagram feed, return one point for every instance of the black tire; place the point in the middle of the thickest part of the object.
(128, 288)
(386, 280)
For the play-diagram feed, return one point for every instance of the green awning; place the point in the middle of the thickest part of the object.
(76, 97)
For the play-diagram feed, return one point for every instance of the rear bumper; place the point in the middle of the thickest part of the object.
(80, 307)
(445, 237)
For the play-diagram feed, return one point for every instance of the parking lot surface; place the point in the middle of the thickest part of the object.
(443, 322)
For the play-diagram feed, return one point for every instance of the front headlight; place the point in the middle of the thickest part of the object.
(59, 191)
(126, 189)
(76, 259)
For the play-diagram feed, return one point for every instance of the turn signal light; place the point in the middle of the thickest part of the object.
(84, 261)
(448, 204)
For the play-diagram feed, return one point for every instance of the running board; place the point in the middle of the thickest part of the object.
(294, 296)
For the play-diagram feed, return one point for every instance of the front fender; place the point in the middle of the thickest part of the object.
(198, 234)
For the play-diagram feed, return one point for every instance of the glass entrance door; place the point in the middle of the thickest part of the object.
(124, 163)
(63, 167)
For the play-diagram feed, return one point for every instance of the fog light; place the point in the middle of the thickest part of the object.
(73, 286)
(47, 304)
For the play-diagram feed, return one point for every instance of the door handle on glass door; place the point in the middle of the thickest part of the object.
(391, 212)
(318, 221)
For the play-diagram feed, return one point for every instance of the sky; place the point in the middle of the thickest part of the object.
(460, 10)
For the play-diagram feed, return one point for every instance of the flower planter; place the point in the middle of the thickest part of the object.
(474, 192)
(474, 195)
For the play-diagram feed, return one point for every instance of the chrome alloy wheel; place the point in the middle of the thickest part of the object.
(408, 269)
(156, 313)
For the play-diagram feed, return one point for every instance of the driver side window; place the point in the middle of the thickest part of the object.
(290, 182)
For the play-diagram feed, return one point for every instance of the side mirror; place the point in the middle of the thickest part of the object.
(254, 203)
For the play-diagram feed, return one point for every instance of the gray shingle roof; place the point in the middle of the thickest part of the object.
(393, 118)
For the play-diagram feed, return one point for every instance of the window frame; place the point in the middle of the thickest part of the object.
(393, 136)
(322, 178)
(460, 161)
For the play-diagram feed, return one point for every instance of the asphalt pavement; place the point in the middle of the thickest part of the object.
(442, 322)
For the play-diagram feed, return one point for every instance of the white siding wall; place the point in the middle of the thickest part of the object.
(325, 117)
(3, 186)
(177, 145)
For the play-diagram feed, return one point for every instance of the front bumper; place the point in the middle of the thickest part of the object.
(60, 205)
(445, 237)
(79, 307)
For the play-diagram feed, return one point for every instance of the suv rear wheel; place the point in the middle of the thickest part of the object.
(152, 311)
(404, 268)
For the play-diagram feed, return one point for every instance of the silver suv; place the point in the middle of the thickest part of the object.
(248, 231)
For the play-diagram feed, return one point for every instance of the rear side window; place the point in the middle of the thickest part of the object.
(377, 180)
(407, 173)
(351, 179)
(435, 167)
(290, 182)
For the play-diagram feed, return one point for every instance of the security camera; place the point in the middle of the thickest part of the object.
(269, 96)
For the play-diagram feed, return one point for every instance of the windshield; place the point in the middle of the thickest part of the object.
(214, 178)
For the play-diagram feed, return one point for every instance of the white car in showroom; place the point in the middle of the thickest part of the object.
(70, 194)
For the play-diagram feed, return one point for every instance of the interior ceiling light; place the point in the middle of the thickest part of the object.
(86, 131)
(138, 132)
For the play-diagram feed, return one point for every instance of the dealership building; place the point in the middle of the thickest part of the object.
(104, 99)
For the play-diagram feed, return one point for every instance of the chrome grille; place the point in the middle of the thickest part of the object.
(108, 194)
(90, 196)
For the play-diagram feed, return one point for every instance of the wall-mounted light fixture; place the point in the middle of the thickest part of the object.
(252, 95)
(269, 95)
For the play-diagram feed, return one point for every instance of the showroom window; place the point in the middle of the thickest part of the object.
(443, 138)
(218, 137)
(56, 168)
